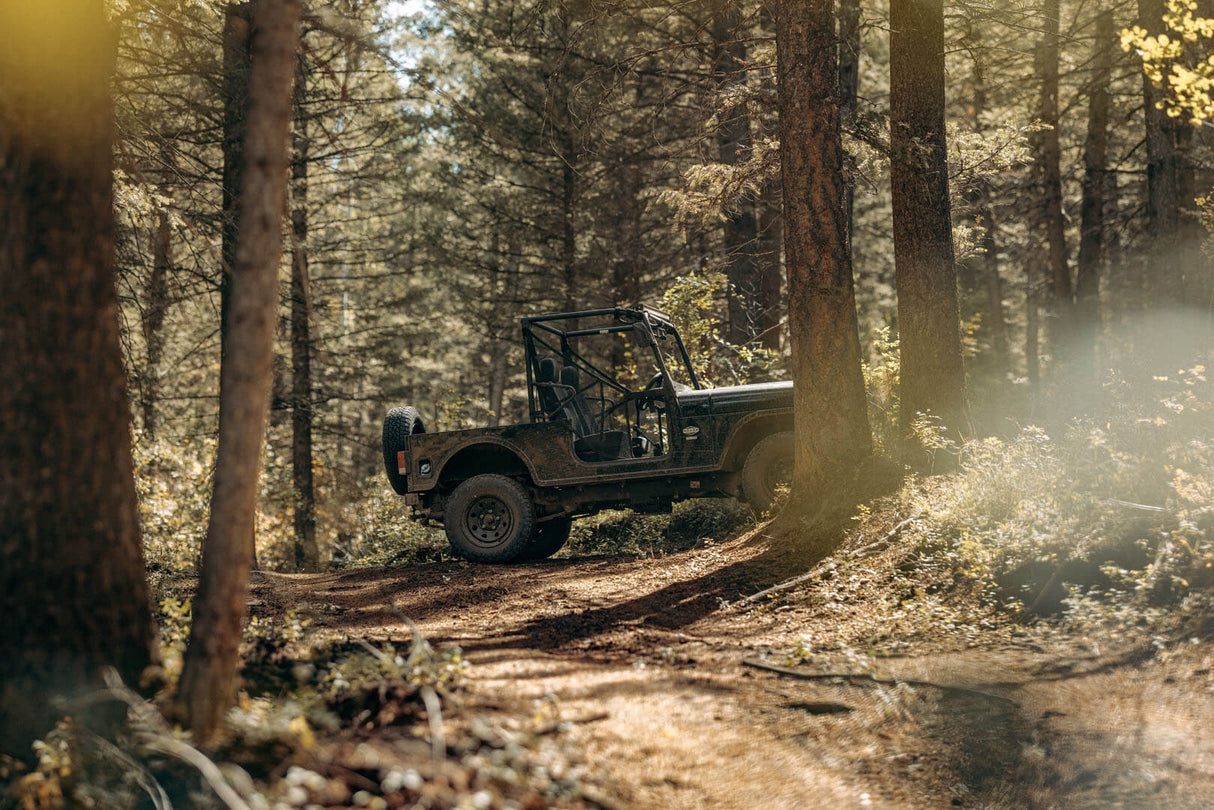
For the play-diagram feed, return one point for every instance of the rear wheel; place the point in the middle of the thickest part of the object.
(769, 465)
(399, 425)
(490, 518)
(550, 537)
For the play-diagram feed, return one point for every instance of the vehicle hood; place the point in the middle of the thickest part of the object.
(736, 398)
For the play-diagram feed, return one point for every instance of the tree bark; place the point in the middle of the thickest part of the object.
(209, 675)
(236, 28)
(1091, 228)
(72, 591)
(929, 319)
(831, 413)
(307, 555)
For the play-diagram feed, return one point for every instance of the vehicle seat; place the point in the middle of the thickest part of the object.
(574, 401)
(545, 386)
(592, 442)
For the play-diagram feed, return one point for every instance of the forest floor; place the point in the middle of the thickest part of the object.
(638, 677)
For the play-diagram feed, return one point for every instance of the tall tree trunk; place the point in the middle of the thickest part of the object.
(1091, 228)
(72, 590)
(236, 31)
(307, 555)
(980, 197)
(849, 89)
(831, 412)
(994, 288)
(1032, 320)
(744, 298)
(209, 675)
(771, 248)
(568, 228)
(1060, 307)
(1163, 192)
(155, 306)
(929, 315)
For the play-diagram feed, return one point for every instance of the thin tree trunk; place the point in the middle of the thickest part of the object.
(1032, 320)
(981, 197)
(307, 555)
(929, 319)
(771, 248)
(1061, 294)
(1091, 229)
(831, 417)
(73, 596)
(209, 676)
(1163, 192)
(849, 89)
(155, 305)
(236, 32)
(994, 288)
(497, 380)
(744, 298)
(569, 198)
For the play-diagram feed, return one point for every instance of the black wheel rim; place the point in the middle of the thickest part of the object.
(489, 521)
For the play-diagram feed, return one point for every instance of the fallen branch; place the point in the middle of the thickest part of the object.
(1142, 507)
(863, 679)
(158, 736)
(561, 725)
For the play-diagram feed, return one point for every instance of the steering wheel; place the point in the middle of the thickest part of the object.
(643, 402)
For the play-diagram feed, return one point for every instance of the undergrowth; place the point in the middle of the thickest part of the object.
(689, 524)
(302, 734)
(1110, 523)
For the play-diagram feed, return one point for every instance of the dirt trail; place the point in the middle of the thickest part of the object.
(636, 669)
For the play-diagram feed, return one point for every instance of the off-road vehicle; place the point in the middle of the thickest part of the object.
(618, 419)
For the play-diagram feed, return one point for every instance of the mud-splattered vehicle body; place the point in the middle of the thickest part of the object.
(618, 419)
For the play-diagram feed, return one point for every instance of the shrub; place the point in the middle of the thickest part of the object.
(689, 524)
(387, 535)
(1103, 525)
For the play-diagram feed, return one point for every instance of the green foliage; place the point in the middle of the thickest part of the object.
(881, 382)
(295, 686)
(1177, 60)
(1107, 524)
(388, 535)
(690, 523)
(695, 303)
(173, 483)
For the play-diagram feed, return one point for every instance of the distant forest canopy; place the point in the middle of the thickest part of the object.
(456, 168)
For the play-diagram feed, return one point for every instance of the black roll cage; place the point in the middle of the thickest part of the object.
(647, 320)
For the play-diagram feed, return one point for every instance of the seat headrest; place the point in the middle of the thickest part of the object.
(547, 371)
(570, 376)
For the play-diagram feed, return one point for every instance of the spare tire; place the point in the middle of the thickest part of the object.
(399, 425)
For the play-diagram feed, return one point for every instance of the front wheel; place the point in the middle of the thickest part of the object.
(769, 465)
(490, 518)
